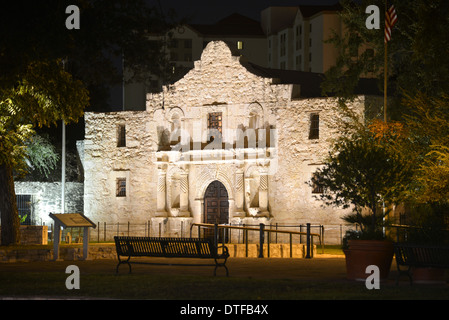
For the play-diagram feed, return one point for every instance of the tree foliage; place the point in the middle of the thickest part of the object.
(428, 145)
(48, 72)
(418, 82)
(41, 157)
(417, 53)
(363, 171)
(43, 95)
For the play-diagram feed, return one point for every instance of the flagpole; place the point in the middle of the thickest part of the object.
(385, 71)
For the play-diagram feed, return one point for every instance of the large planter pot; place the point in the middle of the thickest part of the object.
(363, 253)
(428, 275)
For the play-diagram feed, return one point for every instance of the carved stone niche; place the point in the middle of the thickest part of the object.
(178, 192)
(161, 192)
(256, 192)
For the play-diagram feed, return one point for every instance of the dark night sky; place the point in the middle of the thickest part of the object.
(210, 11)
(203, 12)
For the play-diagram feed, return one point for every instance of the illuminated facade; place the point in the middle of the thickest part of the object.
(230, 142)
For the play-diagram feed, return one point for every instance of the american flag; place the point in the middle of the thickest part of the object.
(390, 20)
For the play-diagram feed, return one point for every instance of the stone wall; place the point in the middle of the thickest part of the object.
(46, 198)
(166, 180)
(45, 253)
(33, 235)
(30, 235)
(104, 163)
(107, 251)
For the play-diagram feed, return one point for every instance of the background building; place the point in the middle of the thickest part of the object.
(296, 37)
(288, 38)
(185, 44)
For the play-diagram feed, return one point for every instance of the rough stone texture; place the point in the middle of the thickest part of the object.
(107, 251)
(166, 186)
(67, 253)
(104, 162)
(25, 255)
(46, 198)
(33, 235)
(277, 250)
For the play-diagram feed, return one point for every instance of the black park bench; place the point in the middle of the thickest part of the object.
(420, 256)
(202, 248)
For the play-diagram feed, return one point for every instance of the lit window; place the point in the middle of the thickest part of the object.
(121, 187)
(314, 132)
(240, 45)
(214, 121)
(121, 136)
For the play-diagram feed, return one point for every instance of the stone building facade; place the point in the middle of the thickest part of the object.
(230, 142)
(36, 200)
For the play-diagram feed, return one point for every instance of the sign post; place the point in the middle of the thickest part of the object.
(70, 220)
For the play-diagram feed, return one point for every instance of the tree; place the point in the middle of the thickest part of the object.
(44, 94)
(41, 157)
(417, 53)
(364, 172)
(418, 82)
(428, 143)
(48, 71)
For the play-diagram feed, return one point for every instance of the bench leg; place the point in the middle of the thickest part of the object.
(407, 273)
(120, 262)
(217, 264)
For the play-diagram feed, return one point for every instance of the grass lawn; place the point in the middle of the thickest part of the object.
(47, 279)
(192, 287)
(330, 249)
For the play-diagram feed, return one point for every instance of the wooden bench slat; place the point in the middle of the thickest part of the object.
(168, 247)
(411, 255)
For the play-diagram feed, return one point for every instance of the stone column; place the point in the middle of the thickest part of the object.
(263, 194)
(161, 194)
(184, 195)
(239, 195)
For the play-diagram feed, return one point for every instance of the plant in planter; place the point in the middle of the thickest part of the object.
(363, 172)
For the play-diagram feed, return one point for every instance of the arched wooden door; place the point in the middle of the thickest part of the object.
(216, 206)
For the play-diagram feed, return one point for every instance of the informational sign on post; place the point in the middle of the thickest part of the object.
(71, 220)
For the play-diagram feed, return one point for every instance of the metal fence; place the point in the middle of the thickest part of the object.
(105, 232)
